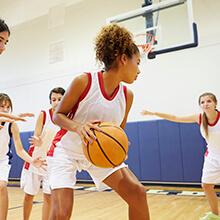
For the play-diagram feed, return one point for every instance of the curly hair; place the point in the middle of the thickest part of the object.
(112, 42)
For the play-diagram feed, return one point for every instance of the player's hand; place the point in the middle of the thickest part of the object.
(20, 116)
(4, 119)
(85, 131)
(36, 141)
(145, 112)
(38, 163)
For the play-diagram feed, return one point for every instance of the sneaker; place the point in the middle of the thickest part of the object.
(210, 216)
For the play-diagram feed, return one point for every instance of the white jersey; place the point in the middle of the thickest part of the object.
(35, 152)
(5, 142)
(213, 139)
(94, 104)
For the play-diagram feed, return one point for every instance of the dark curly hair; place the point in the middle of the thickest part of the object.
(4, 26)
(112, 42)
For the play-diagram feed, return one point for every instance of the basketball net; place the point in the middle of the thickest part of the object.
(146, 47)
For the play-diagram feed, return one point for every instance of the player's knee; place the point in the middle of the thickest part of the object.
(62, 213)
(138, 193)
(206, 186)
(3, 186)
(28, 197)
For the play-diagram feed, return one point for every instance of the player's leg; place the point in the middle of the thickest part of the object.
(62, 204)
(3, 200)
(31, 183)
(27, 206)
(5, 169)
(210, 176)
(124, 182)
(211, 197)
(62, 179)
(47, 205)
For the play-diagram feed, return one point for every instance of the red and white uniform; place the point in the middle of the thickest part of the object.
(211, 168)
(93, 104)
(31, 177)
(66, 149)
(5, 151)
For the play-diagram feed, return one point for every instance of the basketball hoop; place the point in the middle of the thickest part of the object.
(149, 39)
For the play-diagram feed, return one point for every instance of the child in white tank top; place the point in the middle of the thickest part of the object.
(210, 129)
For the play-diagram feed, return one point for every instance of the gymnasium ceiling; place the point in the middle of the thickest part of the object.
(15, 12)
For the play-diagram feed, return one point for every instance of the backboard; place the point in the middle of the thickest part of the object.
(170, 21)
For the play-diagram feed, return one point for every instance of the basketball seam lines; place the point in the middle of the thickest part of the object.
(103, 150)
(89, 153)
(115, 141)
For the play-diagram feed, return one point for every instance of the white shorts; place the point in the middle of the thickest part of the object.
(211, 170)
(31, 182)
(62, 171)
(4, 169)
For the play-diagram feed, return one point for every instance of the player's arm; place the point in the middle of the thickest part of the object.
(128, 107)
(69, 100)
(18, 117)
(5, 119)
(20, 150)
(36, 139)
(184, 119)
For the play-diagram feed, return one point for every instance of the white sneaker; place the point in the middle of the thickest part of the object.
(210, 216)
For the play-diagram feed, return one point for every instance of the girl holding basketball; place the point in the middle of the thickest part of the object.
(90, 98)
(209, 123)
(31, 178)
(10, 130)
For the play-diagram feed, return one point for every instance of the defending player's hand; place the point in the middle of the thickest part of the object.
(38, 163)
(145, 112)
(36, 141)
(4, 119)
(20, 116)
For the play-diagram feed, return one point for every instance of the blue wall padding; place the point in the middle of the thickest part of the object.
(149, 148)
(160, 150)
(17, 162)
(134, 151)
(170, 151)
(193, 148)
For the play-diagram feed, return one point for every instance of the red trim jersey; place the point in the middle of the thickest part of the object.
(213, 139)
(94, 104)
(35, 152)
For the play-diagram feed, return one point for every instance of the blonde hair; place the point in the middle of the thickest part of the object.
(204, 116)
(5, 97)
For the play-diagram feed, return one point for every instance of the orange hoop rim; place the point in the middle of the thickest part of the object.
(147, 46)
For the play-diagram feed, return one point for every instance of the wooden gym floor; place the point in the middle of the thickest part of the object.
(165, 203)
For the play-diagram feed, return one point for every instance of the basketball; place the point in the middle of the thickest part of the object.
(110, 147)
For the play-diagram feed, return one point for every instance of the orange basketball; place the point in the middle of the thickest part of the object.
(110, 147)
